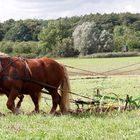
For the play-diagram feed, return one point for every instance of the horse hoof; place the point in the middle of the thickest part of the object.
(18, 111)
(55, 113)
(52, 112)
(34, 112)
(1, 114)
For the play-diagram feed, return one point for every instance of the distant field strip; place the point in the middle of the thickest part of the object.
(103, 66)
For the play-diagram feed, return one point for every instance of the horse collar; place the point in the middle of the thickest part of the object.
(11, 62)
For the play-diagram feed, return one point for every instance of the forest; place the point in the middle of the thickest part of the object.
(71, 36)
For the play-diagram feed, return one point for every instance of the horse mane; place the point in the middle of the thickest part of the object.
(2, 55)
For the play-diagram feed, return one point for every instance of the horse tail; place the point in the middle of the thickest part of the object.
(65, 92)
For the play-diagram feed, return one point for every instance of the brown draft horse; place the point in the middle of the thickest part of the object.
(21, 76)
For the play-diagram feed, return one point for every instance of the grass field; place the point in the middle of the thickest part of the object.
(86, 126)
(102, 65)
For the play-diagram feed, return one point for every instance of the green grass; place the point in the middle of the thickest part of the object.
(118, 126)
(86, 126)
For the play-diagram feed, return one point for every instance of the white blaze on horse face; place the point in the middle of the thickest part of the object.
(0, 67)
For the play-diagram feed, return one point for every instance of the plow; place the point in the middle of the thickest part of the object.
(106, 103)
(102, 102)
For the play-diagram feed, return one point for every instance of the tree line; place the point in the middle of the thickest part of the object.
(67, 37)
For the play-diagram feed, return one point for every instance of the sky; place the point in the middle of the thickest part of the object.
(53, 9)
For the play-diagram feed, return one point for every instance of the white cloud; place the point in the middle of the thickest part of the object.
(51, 9)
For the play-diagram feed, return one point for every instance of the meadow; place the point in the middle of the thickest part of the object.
(85, 126)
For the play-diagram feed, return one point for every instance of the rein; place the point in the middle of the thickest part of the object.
(48, 85)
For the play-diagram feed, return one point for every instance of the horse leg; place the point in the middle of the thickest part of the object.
(35, 98)
(11, 100)
(21, 96)
(55, 101)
